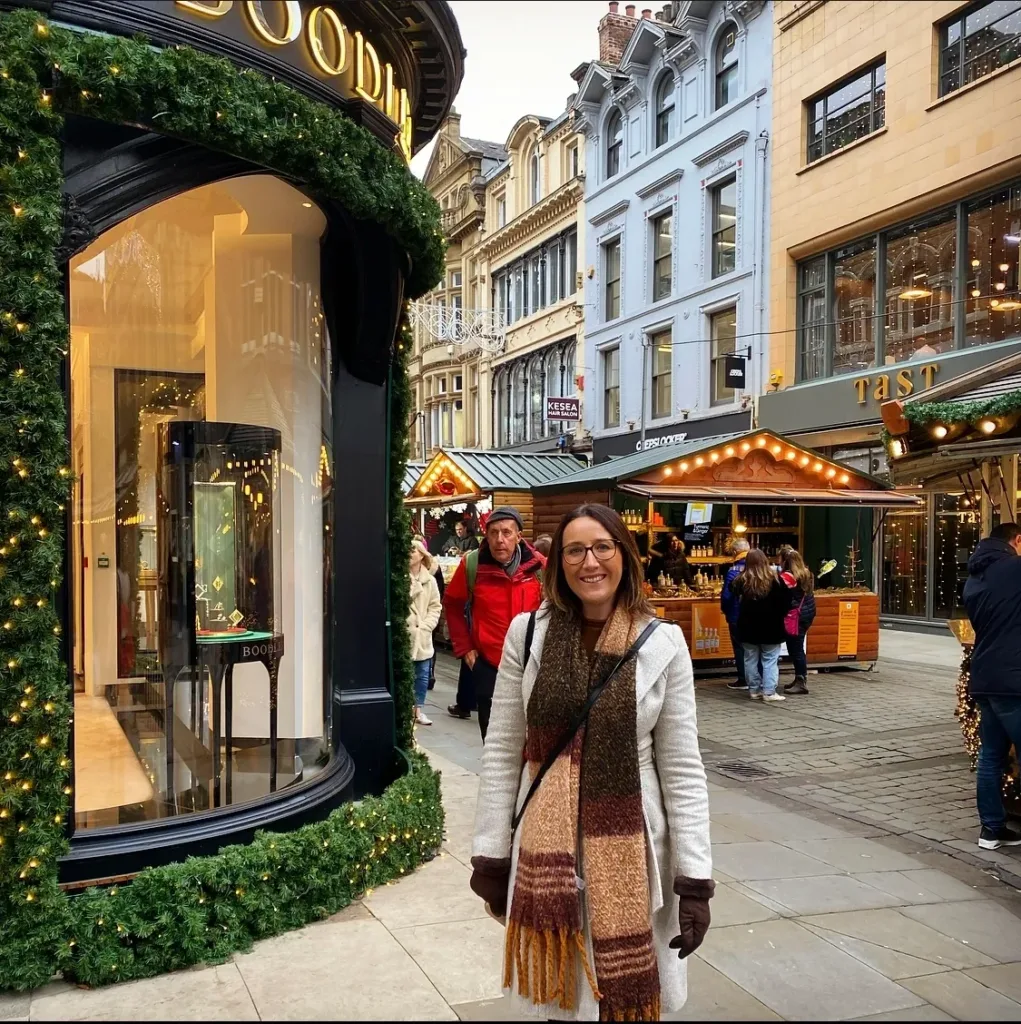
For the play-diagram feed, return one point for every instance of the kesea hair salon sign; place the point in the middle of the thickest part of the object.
(313, 39)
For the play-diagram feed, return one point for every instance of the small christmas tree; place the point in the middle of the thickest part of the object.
(854, 574)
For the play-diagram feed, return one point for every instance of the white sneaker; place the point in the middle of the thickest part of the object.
(755, 695)
(773, 698)
(420, 717)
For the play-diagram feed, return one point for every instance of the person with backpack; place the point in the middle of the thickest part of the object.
(801, 582)
(764, 601)
(423, 617)
(490, 586)
(595, 853)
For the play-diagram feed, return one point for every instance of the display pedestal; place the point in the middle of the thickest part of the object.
(219, 653)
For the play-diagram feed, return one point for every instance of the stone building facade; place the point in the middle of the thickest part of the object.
(676, 116)
(896, 214)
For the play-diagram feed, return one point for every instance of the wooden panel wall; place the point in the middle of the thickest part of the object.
(822, 637)
(520, 500)
(551, 508)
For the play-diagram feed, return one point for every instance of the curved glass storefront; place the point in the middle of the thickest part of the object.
(201, 549)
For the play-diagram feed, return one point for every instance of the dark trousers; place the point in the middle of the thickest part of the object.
(735, 641)
(796, 649)
(465, 688)
(484, 677)
(999, 727)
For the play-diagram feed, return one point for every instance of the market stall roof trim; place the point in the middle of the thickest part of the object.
(412, 472)
(755, 466)
(455, 474)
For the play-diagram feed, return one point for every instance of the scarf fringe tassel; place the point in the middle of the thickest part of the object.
(544, 963)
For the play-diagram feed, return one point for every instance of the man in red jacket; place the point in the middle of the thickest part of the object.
(508, 581)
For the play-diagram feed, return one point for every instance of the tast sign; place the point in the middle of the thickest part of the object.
(904, 383)
(313, 39)
(563, 409)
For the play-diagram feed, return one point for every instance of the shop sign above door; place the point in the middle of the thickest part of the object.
(905, 382)
(313, 39)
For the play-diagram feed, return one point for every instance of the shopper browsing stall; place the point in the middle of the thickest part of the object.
(799, 578)
(763, 602)
(729, 603)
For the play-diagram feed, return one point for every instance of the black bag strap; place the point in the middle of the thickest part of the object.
(528, 640)
(579, 719)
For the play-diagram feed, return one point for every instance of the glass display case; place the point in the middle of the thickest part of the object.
(219, 579)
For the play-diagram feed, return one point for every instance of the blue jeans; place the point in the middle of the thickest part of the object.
(796, 649)
(999, 727)
(735, 642)
(422, 680)
(762, 680)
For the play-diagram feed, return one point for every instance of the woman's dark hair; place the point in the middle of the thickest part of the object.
(792, 562)
(758, 577)
(630, 595)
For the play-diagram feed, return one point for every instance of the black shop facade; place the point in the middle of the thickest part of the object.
(226, 389)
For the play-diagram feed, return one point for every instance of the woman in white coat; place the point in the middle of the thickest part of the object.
(605, 884)
(422, 620)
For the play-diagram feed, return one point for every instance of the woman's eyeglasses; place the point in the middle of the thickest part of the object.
(604, 550)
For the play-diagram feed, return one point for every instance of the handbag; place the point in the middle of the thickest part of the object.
(792, 620)
(580, 718)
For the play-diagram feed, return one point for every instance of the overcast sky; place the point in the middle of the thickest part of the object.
(520, 58)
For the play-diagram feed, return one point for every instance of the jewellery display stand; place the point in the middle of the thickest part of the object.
(218, 577)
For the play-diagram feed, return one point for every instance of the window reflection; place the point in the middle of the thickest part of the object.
(904, 563)
(994, 235)
(854, 288)
(920, 289)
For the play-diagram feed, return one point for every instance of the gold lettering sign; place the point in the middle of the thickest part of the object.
(345, 58)
(905, 382)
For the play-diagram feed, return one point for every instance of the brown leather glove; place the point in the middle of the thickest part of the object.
(693, 913)
(490, 878)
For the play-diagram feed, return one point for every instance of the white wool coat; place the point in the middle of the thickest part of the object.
(424, 615)
(675, 797)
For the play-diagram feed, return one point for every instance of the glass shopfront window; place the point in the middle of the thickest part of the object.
(920, 261)
(955, 535)
(200, 554)
(905, 560)
(994, 237)
(937, 294)
(854, 287)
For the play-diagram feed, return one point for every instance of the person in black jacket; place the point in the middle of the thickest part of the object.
(992, 596)
(764, 602)
(799, 578)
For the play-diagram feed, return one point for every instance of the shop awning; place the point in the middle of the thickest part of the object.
(773, 496)
(757, 467)
(455, 475)
(412, 472)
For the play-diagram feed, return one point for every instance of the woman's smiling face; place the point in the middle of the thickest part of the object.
(594, 580)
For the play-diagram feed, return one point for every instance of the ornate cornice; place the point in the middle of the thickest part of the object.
(533, 219)
(745, 10)
(735, 140)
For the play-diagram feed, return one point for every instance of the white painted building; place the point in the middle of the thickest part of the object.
(676, 116)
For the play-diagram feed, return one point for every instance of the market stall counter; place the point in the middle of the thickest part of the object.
(758, 486)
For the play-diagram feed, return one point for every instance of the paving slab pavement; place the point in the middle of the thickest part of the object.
(818, 915)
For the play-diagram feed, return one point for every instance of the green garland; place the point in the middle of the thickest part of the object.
(950, 413)
(205, 908)
(402, 669)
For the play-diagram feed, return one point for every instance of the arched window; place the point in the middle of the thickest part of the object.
(551, 368)
(519, 403)
(726, 65)
(500, 428)
(535, 177)
(664, 109)
(614, 143)
(536, 387)
(569, 388)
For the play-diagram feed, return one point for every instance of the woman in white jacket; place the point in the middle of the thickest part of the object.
(609, 872)
(422, 620)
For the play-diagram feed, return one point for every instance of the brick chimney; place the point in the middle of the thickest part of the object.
(647, 13)
(615, 31)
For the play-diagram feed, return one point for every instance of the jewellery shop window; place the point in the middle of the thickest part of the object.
(199, 553)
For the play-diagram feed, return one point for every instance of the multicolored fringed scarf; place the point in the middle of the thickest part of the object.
(585, 820)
